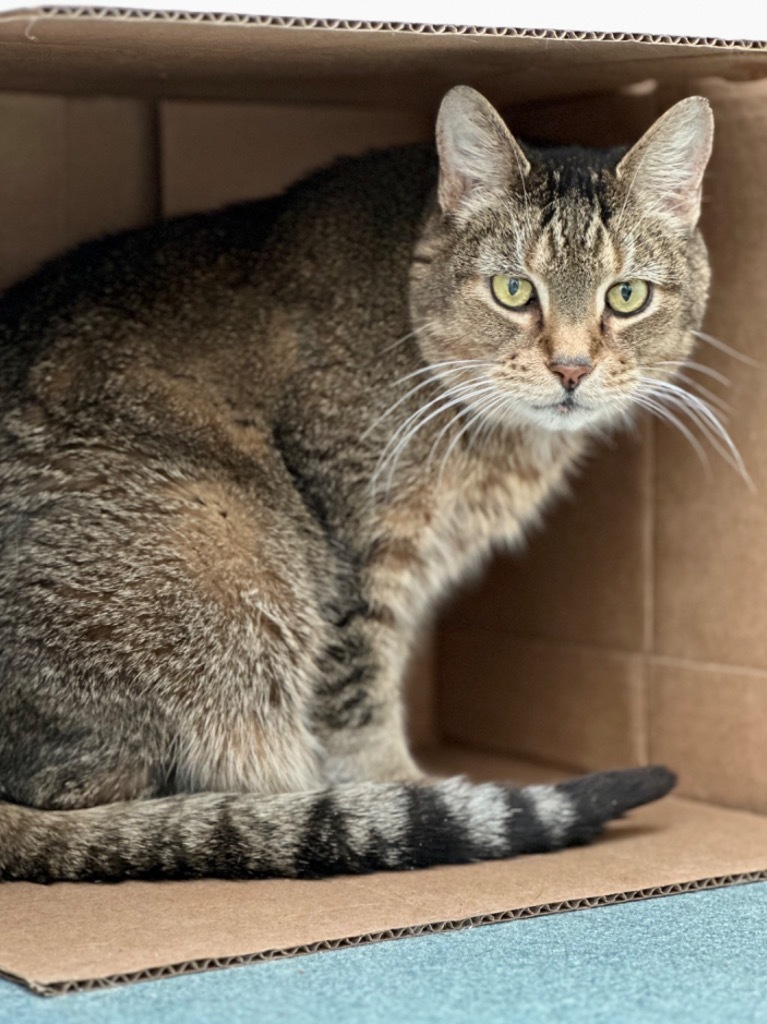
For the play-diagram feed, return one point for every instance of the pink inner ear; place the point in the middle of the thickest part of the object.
(455, 185)
(685, 204)
(665, 169)
(476, 150)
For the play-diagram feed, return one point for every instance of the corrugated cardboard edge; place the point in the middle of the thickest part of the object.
(340, 24)
(432, 928)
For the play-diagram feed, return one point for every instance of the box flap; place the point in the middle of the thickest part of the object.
(654, 17)
(236, 56)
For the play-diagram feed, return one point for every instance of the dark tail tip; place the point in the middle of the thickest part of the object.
(600, 797)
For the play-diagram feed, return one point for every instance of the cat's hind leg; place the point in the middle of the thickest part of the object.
(156, 636)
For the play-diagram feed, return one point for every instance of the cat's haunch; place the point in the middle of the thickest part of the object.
(244, 455)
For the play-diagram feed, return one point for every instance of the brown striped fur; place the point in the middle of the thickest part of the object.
(239, 471)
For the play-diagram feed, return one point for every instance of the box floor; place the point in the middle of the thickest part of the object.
(697, 958)
(63, 936)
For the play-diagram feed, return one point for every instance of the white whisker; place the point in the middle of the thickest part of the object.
(459, 363)
(723, 407)
(397, 452)
(662, 413)
(456, 390)
(699, 420)
(701, 415)
(432, 380)
(429, 382)
(705, 370)
(455, 418)
(478, 414)
(427, 326)
(458, 395)
(711, 426)
(723, 347)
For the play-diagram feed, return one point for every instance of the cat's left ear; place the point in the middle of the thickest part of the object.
(664, 170)
(477, 152)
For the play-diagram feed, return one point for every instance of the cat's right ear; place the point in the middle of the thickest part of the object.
(664, 170)
(477, 152)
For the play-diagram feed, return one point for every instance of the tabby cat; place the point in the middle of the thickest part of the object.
(245, 453)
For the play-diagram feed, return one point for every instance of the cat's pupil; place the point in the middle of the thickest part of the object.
(626, 291)
(513, 285)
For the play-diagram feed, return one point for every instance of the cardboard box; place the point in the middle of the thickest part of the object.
(632, 628)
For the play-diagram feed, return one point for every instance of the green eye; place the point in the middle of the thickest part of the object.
(628, 297)
(512, 292)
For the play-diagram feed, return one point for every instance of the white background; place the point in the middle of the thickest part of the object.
(725, 19)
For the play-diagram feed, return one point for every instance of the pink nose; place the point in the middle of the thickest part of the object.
(571, 375)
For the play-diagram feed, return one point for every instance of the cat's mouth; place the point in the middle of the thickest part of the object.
(565, 406)
(569, 413)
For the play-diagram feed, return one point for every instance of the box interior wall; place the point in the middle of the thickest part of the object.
(631, 628)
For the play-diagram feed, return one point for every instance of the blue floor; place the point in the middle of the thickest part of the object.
(700, 957)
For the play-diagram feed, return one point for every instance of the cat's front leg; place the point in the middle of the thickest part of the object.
(358, 712)
(371, 753)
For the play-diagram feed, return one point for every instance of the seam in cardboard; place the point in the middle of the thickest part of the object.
(651, 659)
(275, 21)
(324, 945)
(695, 665)
(649, 581)
(546, 642)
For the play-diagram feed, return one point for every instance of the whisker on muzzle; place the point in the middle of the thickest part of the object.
(670, 401)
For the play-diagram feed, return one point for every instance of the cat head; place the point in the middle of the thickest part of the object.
(560, 287)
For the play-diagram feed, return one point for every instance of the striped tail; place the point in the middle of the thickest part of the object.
(344, 830)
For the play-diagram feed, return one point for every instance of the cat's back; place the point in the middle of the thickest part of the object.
(108, 286)
(183, 268)
(208, 316)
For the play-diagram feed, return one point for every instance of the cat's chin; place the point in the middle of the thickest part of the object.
(568, 417)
